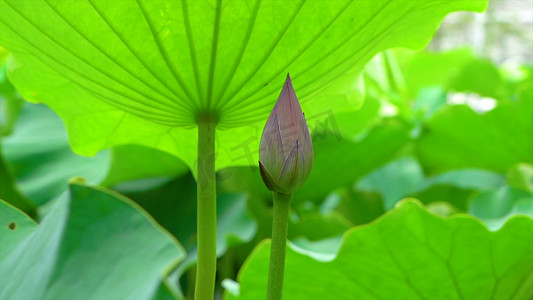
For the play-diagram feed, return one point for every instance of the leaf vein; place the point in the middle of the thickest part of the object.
(190, 40)
(240, 54)
(395, 260)
(300, 53)
(164, 54)
(252, 107)
(114, 103)
(214, 48)
(265, 58)
(106, 54)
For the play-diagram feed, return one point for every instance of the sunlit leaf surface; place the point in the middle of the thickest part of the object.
(141, 71)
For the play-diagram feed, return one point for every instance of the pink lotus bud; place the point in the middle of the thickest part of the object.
(286, 151)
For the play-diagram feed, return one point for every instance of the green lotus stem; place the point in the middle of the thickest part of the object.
(207, 211)
(276, 270)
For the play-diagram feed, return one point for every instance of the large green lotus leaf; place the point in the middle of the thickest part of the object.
(140, 72)
(457, 137)
(408, 253)
(93, 244)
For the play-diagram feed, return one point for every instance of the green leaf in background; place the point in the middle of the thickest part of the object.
(394, 181)
(494, 207)
(457, 70)
(478, 76)
(518, 78)
(457, 187)
(404, 177)
(352, 124)
(122, 72)
(93, 243)
(165, 292)
(131, 162)
(15, 226)
(317, 226)
(520, 176)
(9, 111)
(484, 194)
(357, 206)
(379, 75)
(429, 100)
(242, 180)
(39, 155)
(347, 161)
(10, 192)
(457, 137)
(324, 249)
(173, 205)
(335, 157)
(468, 179)
(419, 68)
(10, 102)
(402, 255)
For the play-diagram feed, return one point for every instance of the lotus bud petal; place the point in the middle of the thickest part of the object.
(286, 150)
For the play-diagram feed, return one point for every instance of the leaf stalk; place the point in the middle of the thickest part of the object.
(276, 270)
(207, 211)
